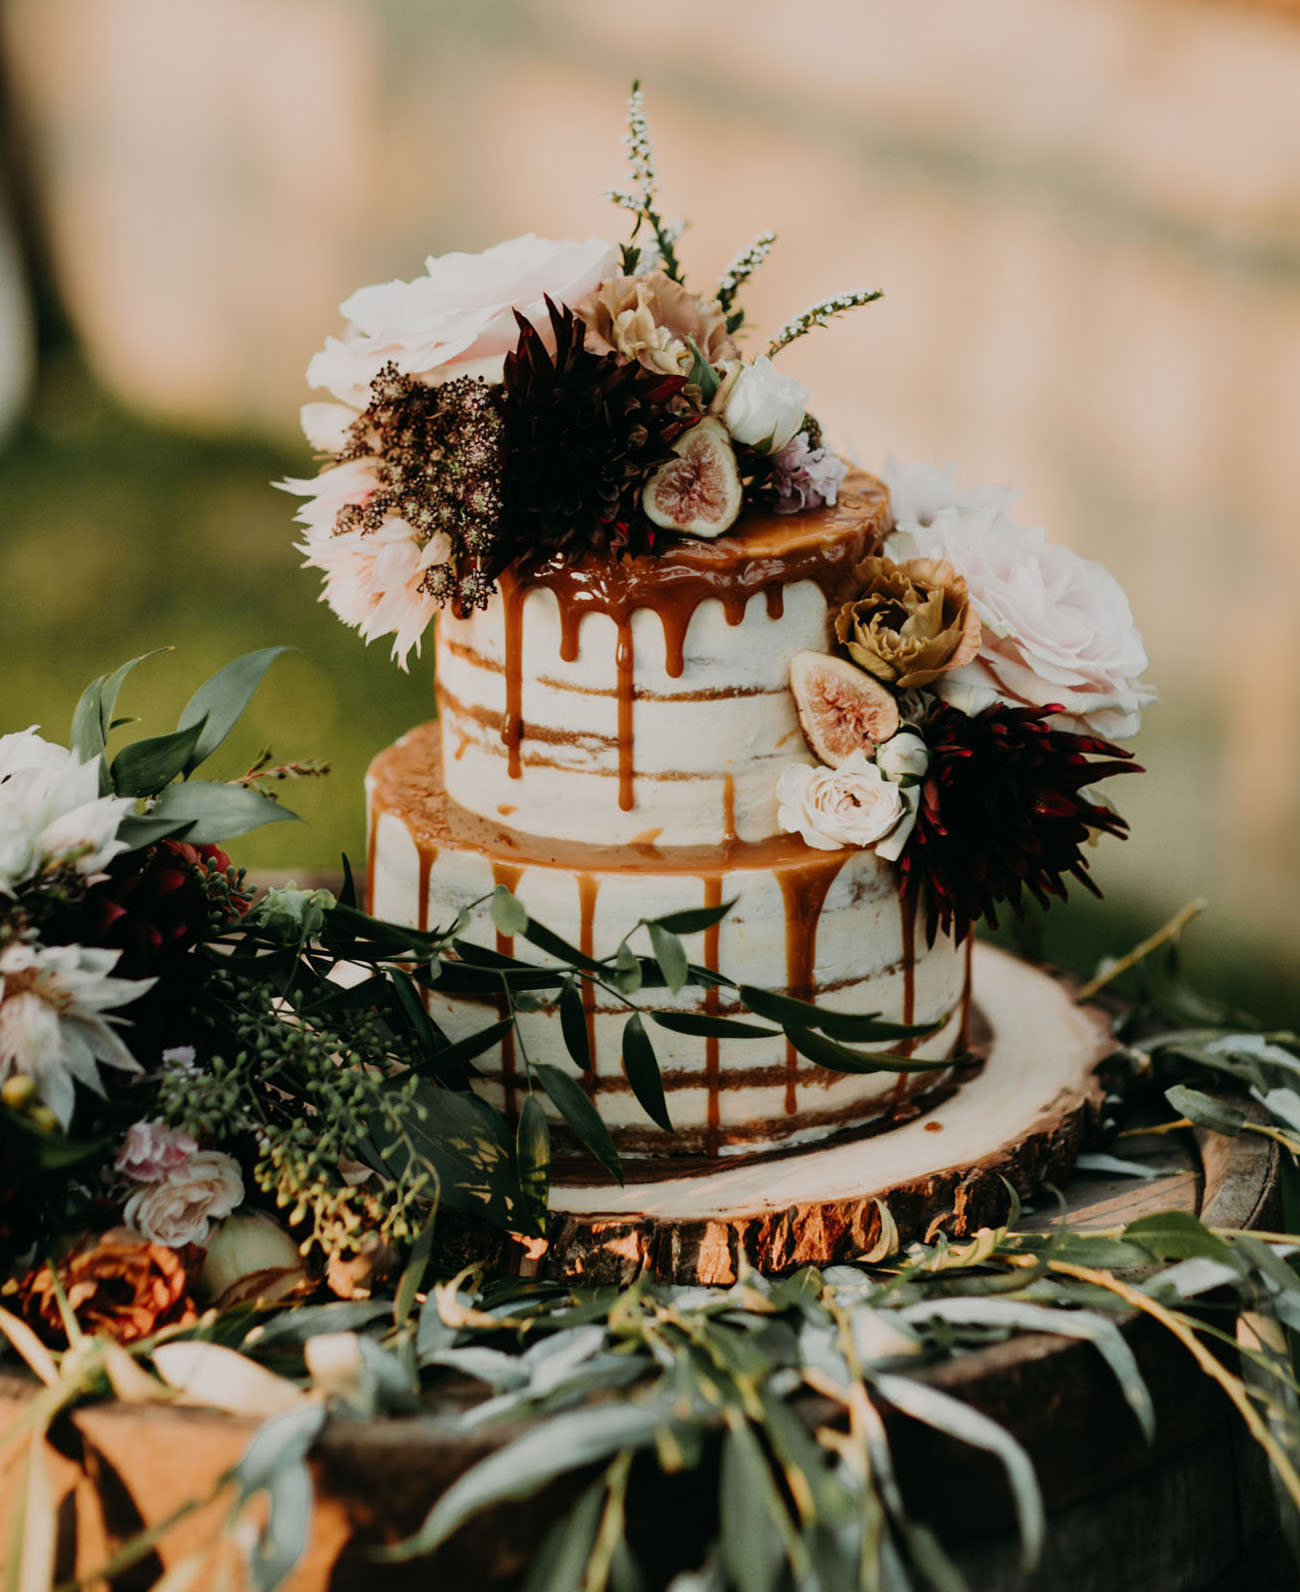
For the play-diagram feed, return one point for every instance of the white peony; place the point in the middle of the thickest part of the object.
(763, 408)
(917, 492)
(458, 318)
(51, 812)
(181, 1207)
(852, 805)
(52, 1023)
(1057, 628)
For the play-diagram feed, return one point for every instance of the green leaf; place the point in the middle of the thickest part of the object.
(561, 1563)
(144, 767)
(627, 969)
(92, 718)
(693, 919)
(140, 832)
(282, 1541)
(1176, 1235)
(926, 1403)
(219, 701)
(217, 812)
(704, 376)
(570, 1100)
(573, 1025)
(1205, 1111)
(670, 955)
(533, 1153)
(790, 1012)
(283, 1440)
(749, 1506)
(829, 1053)
(508, 915)
(413, 1272)
(542, 937)
(552, 1448)
(1114, 1165)
(642, 1069)
(708, 1026)
(348, 894)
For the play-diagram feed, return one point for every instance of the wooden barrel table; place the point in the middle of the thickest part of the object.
(1192, 1513)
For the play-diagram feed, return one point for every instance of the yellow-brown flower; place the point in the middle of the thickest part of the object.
(649, 318)
(910, 623)
(117, 1283)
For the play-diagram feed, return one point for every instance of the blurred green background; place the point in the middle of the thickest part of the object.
(1085, 215)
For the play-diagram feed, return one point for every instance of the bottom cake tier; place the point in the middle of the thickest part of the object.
(823, 926)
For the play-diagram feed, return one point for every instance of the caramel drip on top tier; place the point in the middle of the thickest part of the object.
(766, 553)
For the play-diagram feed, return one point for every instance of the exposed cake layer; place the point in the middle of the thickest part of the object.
(823, 925)
(648, 699)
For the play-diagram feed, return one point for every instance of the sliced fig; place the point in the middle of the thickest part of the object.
(698, 492)
(842, 708)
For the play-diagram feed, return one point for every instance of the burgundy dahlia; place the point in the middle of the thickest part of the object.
(1004, 812)
(156, 905)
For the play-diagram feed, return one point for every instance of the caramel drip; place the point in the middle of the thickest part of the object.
(712, 1005)
(428, 854)
(729, 835)
(372, 840)
(963, 1033)
(765, 554)
(625, 663)
(804, 887)
(506, 873)
(512, 731)
(588, 889)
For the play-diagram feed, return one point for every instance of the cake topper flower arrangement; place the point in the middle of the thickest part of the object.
(964, 716)
(540, 401)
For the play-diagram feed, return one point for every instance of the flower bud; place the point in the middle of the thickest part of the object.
(18, 1092)
(293, 915)
(250, 1257)
(903, 757)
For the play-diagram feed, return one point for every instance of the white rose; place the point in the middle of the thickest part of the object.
(457, 319)
(903, 756)
(181, 1209)
(1057, 628)
(764, 408)
(917, 492)
(852, 805)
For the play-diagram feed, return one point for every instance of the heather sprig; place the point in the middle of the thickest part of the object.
(739, 271)
(818, 315)
(640, 200)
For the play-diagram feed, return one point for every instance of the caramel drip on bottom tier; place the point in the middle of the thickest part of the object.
(428, 856)
(506, 873)
(712, 1005)
(963, 1033)
(907, 921)
(588, 889)
(804, 887)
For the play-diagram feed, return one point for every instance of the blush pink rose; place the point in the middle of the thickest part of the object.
(852, 805)
(181, 1207)
(457, 319)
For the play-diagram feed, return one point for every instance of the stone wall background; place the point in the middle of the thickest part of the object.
(1085, 215)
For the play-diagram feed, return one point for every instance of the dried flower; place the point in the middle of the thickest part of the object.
(649, 318)
(117, 1283)
(911, 622)
(1005, 810)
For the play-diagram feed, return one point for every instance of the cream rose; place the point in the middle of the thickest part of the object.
(457, 319)
(852, 805)
(903, 756)
(764, 408)
(1057, 628)
(181, 1208)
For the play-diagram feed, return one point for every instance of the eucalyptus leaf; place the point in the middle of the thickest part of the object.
(570, 1100)
(92, 717)
(708, 1026)
(829, 1053)
(749, 1506)
(793, 1013)
(217, 812)
(928, 1404)
(508, 915)
(573, 1025)
(220, 700)
(546, 940)
(567, 1442)
(694, 919)
(533, 1152)
(1205, 1111)
(627, 969)
(143, 768)
(283, 1539)
(561, 1562)
(670, 955)
(282, 1441)
(642, 1068)
(1114, 1165)
(139, 832)
(1176, 1235)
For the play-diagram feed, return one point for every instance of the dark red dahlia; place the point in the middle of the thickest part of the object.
(583, 433)
(157, 904)
(1004, 812)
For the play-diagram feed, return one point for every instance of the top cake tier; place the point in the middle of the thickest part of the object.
(647, 700)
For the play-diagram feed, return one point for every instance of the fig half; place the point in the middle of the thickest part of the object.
(842, 709)
(698, 492)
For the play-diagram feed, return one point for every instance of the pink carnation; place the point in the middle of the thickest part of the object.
(151, 1150)
(806, 477)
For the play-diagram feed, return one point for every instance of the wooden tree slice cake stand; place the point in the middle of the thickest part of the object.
(1020, 1120)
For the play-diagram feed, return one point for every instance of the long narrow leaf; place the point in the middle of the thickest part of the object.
(642, 1068)
(863, 1027)
(829, 1053)
(569, 1099)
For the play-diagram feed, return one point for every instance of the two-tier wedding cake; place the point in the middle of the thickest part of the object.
(687, 659)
